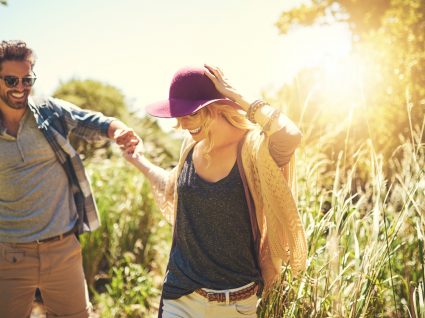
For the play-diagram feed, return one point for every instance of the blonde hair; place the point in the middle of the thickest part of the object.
(234, 116)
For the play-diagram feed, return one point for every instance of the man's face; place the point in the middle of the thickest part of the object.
(15, 97)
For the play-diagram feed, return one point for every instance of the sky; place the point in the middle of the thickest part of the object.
(137, 45)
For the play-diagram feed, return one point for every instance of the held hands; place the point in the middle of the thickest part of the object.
(130, 144)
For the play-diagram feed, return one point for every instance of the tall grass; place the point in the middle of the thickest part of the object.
(365, 236)
(124, 259)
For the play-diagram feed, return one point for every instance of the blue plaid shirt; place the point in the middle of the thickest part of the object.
(57, 119)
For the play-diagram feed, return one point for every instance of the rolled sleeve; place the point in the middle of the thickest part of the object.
(282, 144)
(86, 124)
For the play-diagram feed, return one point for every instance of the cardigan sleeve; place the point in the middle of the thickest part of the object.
(282, 143)
(284, 135)
(163, 185)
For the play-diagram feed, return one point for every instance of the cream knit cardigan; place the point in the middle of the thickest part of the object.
(272, 188)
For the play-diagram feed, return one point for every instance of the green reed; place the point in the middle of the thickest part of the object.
(365, 237)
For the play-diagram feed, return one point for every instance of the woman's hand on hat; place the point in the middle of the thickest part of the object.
(216, 75)
(221, 83)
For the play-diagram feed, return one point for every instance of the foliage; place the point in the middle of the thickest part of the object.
(386, 95)
(94, 95)
(3, 2)
(129, 294)
(361, 15)
(366, 256)
(362, 178)
(132, 230)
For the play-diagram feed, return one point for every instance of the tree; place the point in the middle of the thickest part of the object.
(361, 15)
(390, 36)
(94, 95)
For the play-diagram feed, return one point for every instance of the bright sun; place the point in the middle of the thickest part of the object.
(344, 79)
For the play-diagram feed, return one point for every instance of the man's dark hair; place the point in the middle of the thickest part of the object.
(16, 51)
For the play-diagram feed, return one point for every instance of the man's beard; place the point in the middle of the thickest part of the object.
(15, 105)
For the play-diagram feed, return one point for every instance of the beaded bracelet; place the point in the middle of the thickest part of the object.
(275, 115)
(253, 109)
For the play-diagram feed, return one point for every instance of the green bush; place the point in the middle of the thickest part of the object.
(133, 238)
(129, 294)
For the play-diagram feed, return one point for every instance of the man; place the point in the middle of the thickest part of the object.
(45, 197)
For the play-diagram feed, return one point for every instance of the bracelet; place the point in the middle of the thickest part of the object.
(275, 115)
(253, 109)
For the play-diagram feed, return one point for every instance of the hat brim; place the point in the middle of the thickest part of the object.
(174, 107)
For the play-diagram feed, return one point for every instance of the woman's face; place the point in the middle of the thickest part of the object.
(194, 124)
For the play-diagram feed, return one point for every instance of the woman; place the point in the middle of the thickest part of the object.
(229, 198)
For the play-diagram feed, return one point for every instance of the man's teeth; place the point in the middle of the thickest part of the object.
(195, 131)
(18, 95)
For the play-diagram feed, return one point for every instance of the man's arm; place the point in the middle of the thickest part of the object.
(92, 125)
(114, 126)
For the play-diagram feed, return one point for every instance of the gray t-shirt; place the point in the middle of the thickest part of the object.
(213, 245)
(36, 201)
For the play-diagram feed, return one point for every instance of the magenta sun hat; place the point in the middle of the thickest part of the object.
(190, 90)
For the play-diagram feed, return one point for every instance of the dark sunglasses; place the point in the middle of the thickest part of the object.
(13, 81)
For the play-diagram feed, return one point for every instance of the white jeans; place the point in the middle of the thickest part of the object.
(197, 306)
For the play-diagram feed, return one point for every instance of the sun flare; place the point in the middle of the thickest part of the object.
(343, 80)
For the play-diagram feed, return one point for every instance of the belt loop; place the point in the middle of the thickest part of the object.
(227, 297)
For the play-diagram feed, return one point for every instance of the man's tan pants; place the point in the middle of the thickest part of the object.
(54, 267)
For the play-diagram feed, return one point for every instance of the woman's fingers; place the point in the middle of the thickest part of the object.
(209, 74)
(216, 77)
(216, 71)
(139, 148)
(221, 83)
(220, 71)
